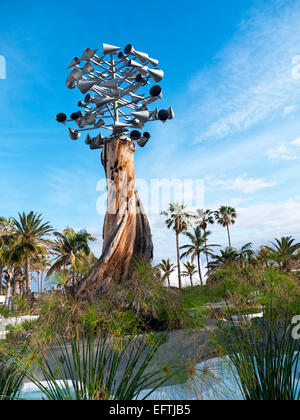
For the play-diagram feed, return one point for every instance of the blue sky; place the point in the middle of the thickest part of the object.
(231, 77)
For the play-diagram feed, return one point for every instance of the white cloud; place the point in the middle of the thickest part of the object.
(296, 142)
(242, 183)
(285, 151)
(289, 110)
(281, 152)
(237, 201)
(260, 223)
(252, 78)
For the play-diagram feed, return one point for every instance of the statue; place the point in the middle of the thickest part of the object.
(110, 83)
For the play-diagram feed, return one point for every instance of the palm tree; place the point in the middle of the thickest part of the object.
(167, 268)
(225, 217)
(204, 218)
(230, 256)
(3, 224)
(70, 248)
(284, 251)
(40, 263)
(196, 247)
(5, 235)
(178, 219)
(246, 254)
(226, 257)
(11, 260)
(265, 257)
(30, 233)
(190, 271)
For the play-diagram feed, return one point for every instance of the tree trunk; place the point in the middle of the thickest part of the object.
(199, 269)
(169, 283)
(38, 282)
(191, 279)
(206, 253)
(126, 231)
(178, 261)
(228, 233)
(8, 286)
(28, 276)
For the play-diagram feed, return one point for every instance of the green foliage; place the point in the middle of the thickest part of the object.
(10, 381)
(142, 305)
(281, 292)
(20, 306)
(235, 280)
(72, 256)
(147, 295)
(199, 296)
(265, 357)
(11, 376)
(269, 286)
(283, 251)
(167, 268)
(100, 369)
(5, 311)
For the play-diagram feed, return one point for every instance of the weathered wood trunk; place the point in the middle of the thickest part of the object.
(126, 231)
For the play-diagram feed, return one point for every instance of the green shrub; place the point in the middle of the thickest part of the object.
(265, 357)
(5, 311)
(235, 280)
(100, 368)
(281, 292)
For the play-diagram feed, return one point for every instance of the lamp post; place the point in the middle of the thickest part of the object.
(112, 83)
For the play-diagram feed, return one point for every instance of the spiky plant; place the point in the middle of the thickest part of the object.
(99, 368)
(11, 378)
(265, 357)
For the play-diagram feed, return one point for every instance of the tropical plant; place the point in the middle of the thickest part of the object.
(6, 257)
(40, 264)
(11, 378)
(167, 269)
(264, 257)
(30, 235)
(101, 368)
(190, 271)
(5, 228)
(178, 219)
(196, 247)
(70, 250)
(246, 254)
(227, 256)
(283, 251)
(11, 260)
(225, 217)
(265, 358)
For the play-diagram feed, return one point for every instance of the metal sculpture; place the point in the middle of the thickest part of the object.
(111, 83)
